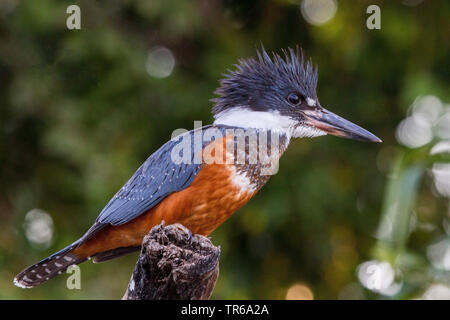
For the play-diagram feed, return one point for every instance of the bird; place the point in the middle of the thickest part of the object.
(201, 177)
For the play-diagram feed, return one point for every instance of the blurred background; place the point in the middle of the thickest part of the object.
(81, 109)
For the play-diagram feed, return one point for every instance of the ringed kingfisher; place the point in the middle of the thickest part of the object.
(272, 96)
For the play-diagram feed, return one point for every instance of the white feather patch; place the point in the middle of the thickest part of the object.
(311, 102)
(20, 285)
(241, 181)
(307, 132)
(266, 120)
(244, 118)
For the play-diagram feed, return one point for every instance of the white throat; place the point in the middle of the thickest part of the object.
(265, 120)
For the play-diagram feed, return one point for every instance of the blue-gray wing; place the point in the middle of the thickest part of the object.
(156, 178)
(153, 181)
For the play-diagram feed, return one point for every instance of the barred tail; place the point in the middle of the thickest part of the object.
(48, 268)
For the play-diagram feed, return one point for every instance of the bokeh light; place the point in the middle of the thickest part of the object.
(443, 125)
(318, 12)
(39, 228)
(439, 254)
(414, 132)
(378, 276)
(427, 107)
(440, 147)
(437, 292)
(160, 62)
(441, 175)
(299, 292)
(417, 129)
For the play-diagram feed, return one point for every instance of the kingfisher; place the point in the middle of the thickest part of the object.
(201, 177)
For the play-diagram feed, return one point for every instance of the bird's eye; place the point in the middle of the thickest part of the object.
(294, 98)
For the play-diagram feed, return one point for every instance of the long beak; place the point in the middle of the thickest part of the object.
(333, 124)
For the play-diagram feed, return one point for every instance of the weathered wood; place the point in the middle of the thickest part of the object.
(174, 264)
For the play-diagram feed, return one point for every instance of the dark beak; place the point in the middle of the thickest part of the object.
(333, 124)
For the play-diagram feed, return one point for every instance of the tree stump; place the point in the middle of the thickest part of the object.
(174, 264)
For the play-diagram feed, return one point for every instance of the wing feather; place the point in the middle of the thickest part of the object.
(157, 177)
(153, 181)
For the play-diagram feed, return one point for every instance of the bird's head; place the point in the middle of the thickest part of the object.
(279, 93)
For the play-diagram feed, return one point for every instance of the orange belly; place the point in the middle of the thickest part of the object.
(202, 207)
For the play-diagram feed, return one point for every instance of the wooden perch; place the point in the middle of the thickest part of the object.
(174, 264)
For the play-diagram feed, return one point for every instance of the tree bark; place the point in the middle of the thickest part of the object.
(174, 264)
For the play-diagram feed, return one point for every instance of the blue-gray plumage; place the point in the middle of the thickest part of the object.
(155, 179)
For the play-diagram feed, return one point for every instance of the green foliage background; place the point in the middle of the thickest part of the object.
(79, 113)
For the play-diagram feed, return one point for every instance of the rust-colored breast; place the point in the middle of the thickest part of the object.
(214, 195)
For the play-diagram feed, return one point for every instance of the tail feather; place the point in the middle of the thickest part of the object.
(48, 268)
(112, 254)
